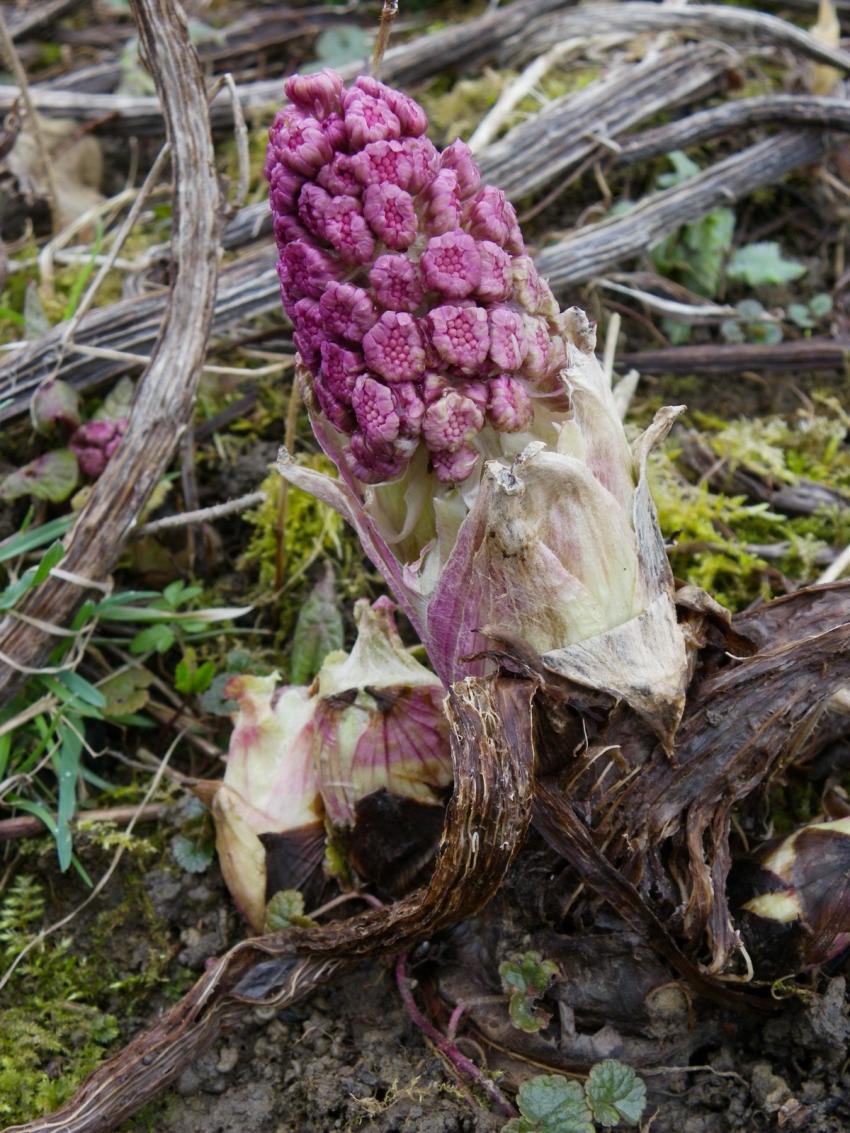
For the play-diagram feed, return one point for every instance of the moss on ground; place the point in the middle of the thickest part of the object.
(60, 1010)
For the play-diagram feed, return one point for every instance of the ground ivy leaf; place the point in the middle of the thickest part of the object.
(525, 977)
(126, 692)
(193, 857)
(550, 1103)
(286, 910)
(616, 1094)
(763, 263)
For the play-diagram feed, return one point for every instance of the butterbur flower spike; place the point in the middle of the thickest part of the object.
(498, 492)
(371, 724)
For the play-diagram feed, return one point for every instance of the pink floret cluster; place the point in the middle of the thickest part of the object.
(95, 442)
(414, 305)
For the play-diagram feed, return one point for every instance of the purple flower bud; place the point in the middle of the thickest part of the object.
(460, 336)
(338, 176)
(303, 146)
(529, 289)
(318, 94)
(313, 205)
(284, 187)
(396, 283)
(95, 442)
(454, 467)
(309, 336)
(458, 156)
(333, 127)
(493, 217)
(337, 412)
(477, 392)
(507, 338)
(450, 422)
(441, 198)
(537, 363)
(384, 163)
(347, 230)
(391, 215)
(509, 408)
(374, 463)
(496, 280)
(374, 408)
(425, 161)
(287, 229)
(348, 311)
(394, 349)
(410, 409)
(451, 265)
(306, 269)
(340, 368)
(409, 113)
(368, 119)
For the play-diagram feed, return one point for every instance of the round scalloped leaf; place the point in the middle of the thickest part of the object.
(616, 1094)
(551, 1103)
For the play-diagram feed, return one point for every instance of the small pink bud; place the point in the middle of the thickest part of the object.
(454, 467)
(368, 119)
(496, 280)
(284, 187)
(391, 215)
(339, 415)
(441, 198)
(309, 330)
(450, 422)
(536, 364)
(347, 310)
(347, 230)
(313, 205)
(529, 289)
(385, 162)
(333, 127)
(94, 443)
(458, 156)
(306, 269)
(493, 217)
(451, 265)
(288, 228)
(338, 176)
(374, 408)
(460, 336)
(478, 392)
(410, 114)
(318, 94)
(425, 160)
(303, 147)
(507, 338)
(374, 463)
(340, 368)
(396, 283)
(394, 349)
(509, 408)
(410, 409)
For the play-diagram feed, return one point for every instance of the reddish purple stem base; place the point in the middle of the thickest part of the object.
(447, 1047)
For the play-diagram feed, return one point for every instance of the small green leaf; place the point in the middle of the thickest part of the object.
(526, 977)
(67, 766)
(820, 305)
(191, 856)
(801, 315)
(157, 638)
(318, 631)
(551, 1103)
(286, 910)
(117, 402)
(616, 1094)
(51, 476)
(82, 689)
(763, 263)
(126, 692)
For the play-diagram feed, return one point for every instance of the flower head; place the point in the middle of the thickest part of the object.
(484, 462)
